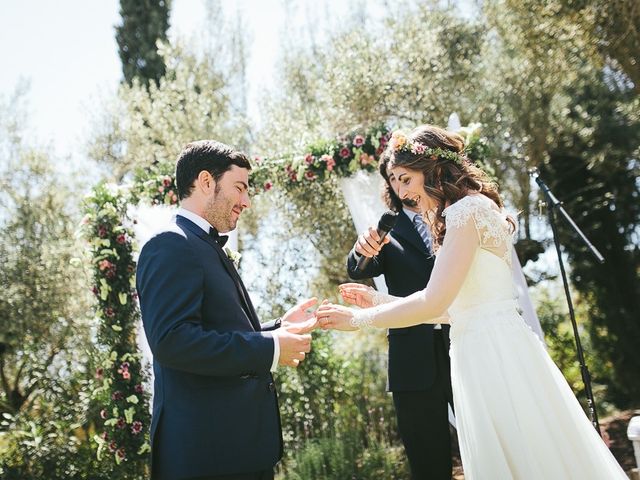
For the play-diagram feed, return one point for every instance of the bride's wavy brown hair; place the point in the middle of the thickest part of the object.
(445, 180)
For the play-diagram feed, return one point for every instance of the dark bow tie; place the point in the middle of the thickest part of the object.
(221, 239)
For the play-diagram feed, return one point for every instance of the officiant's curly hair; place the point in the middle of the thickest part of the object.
(210, 155)
(391, 200)
(445, 181)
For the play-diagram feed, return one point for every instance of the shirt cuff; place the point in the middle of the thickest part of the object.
(276, 353)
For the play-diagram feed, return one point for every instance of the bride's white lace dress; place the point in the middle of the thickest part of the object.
(517, 417)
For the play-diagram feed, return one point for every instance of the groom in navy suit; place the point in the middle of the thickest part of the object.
(215, 409)
(419, 370)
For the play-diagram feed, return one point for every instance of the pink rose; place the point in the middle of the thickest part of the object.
(366, 159)
(174, 199)
(102, 231)
(99, 373)
(328, 159)
(136, 427)
(103, 414)
(117, 395)
(121, 454)
(309, 175)
(121, 423)
(138, 388)
(161, 189)
(166, 181)
(345, 152)
(109, 312)
(124, 371)
(308, 158)
(121, 239)
(358, 140)
(291, 173)
(113, 446)
(418, 148)
(267, 186)
(104, 264)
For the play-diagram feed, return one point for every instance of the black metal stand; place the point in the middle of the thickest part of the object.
(555, 204)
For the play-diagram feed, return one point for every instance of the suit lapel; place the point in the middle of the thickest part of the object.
(228, 265)
(404, 228)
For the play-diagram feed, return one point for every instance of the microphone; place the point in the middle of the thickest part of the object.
(386, 223)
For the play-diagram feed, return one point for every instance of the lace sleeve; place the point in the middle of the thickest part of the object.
(380, 298)
(452, 264)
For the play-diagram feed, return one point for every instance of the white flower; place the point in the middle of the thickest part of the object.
(233, 256)
(470, 131)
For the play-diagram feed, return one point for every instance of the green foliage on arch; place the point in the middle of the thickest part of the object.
(120, 393)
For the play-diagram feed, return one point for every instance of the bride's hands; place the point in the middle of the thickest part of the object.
(357, 294)
(337, 317)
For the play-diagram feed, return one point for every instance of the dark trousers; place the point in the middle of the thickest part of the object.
(423, 420)
(266, 475)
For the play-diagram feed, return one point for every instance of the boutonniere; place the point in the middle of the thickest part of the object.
(233, 256)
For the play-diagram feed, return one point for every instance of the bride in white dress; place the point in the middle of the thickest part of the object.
(517, 418)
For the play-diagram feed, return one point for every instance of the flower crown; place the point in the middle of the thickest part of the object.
(400, 143)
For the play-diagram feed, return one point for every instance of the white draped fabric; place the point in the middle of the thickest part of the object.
(362, 194)
(524, 299)
(453, 123)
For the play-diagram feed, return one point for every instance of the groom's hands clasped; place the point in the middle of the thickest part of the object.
(293, 347)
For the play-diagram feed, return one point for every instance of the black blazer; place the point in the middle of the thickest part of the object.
(406, 266)
(215, 410)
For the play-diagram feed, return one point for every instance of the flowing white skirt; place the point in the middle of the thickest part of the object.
(517, 417)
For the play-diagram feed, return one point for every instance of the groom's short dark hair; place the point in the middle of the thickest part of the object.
(214, 157)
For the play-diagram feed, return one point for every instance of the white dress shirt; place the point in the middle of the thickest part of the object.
(206, 226)
(411, 214)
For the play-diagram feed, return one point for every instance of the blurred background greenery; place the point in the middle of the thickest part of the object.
(555, 85)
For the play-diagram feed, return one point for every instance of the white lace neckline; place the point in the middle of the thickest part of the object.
(490, 222)
(472, 199)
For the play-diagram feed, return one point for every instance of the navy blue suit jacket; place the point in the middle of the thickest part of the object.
(215, 409)
(406, 266)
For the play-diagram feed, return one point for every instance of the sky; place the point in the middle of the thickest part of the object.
(65, 52)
